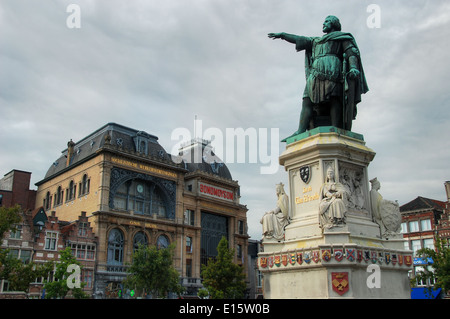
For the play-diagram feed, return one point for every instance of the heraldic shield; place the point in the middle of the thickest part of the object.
(339, 282)
(305, 174)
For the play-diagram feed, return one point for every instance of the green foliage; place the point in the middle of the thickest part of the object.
(59, 288)
(202, 293)
(152, 272)
(20, 274)
(441, 265)
(9, 217)
(221, 277)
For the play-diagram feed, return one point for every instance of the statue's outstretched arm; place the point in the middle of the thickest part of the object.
(292, 38)
(301, 42)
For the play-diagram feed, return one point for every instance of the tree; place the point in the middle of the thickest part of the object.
(9, 217)
(64, 278)
(221, 277)
(440, 274)
(19, 274)
(152, 272)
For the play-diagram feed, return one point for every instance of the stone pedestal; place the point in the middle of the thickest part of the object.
(345, 260)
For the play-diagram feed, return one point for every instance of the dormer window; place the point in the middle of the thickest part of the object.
(141, 140)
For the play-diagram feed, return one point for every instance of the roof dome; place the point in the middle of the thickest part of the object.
(199, 155)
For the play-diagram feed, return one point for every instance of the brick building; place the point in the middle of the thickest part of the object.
(423, 220)
(15, 189)
(39, 237)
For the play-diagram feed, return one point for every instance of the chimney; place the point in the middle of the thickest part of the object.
(70, 147)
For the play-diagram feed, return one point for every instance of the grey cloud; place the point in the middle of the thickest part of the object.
(154, 65)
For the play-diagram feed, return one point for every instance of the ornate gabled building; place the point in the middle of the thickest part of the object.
(39, 237)
(134, 192)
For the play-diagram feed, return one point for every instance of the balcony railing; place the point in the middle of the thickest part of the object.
(112, 268)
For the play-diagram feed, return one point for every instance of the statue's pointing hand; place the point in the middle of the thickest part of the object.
(274, 35)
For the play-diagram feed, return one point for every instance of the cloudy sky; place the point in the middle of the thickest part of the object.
(154, 65)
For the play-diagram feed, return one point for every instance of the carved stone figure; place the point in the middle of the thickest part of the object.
(335, 78)
(386, 213)
(274, 221)
(352, 181)
(332, 208)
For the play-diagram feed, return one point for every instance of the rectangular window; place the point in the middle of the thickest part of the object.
(14, 253)
(189, 268)
(16, 233)
(82, 229)
(404, 228)
(87, 278)
(90, 252)
(240, 227)
(428, 243)
(81, 251)
(189, 217)
(417, 270)
(425, 224)
(259, 279)
(25, 256)
(239, 251)
(416, 245)
(189, 244)
(413, 226)
(51, 239)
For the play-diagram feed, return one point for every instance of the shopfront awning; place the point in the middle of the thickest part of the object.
(425, 293)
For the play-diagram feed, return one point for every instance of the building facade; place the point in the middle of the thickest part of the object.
(40, 237)
(133, 192)
(424, 220)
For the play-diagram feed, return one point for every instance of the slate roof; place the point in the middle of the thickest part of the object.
(422, 203)
(125, 138)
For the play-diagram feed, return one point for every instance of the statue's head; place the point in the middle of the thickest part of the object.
(330, 174)
(280, 188)
(375, 183)
(330, 24)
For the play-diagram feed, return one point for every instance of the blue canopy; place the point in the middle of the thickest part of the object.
(425, 293)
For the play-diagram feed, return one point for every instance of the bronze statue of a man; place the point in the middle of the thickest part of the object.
(334, 76)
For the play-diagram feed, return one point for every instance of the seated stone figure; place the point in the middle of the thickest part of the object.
(274, 221)
(332, 208)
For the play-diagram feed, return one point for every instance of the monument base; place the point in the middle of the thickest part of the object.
(322, 259)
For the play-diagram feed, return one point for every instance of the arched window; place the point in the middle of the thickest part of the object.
(47, 201)
(140, 239)
(162, 242)
(59, 196)
(142, 197)
(71, 191)
(85, 184)
(115, 247)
